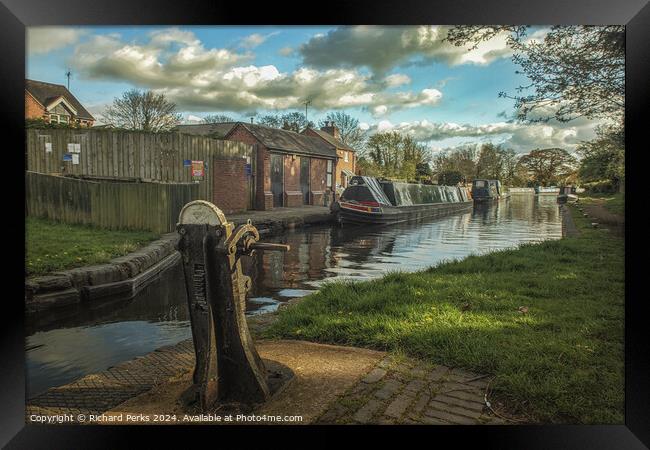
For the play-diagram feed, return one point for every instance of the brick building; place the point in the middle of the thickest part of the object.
(293, 169)
(54, 104)
(346, 164)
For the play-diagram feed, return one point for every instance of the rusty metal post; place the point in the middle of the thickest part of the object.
(228, 367)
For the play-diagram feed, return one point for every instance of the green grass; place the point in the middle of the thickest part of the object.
(53, 246)
(614, 203)
(561, 362)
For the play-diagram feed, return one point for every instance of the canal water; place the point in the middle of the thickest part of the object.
(63, 346)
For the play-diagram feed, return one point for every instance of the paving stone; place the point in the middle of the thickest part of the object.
(415, 386)
(470, 395)
(365, 413)
(375, 375)
(457, 410)
(388, 389)
(420, 403)
(427, 420)
(439, 373)
(335, 412)
(398, 407)
(474, 405)
(447, 417)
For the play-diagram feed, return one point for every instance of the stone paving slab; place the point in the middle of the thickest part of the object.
(409, 392)
(335, 385)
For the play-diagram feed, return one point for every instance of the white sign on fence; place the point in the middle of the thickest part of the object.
(48, 147)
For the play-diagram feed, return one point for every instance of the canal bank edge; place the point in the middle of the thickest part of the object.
(569, 228)
(122, 278)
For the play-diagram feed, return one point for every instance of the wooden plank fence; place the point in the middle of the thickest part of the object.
(111, 205)
(132, 155)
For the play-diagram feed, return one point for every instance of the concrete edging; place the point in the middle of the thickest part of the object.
(122, 277)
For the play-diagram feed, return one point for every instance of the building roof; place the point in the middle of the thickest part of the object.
(289, 141)
(203, 129)
(47, 93)
(332, 140)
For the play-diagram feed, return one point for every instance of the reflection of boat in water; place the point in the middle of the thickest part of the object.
(488, 191)
(367, 200)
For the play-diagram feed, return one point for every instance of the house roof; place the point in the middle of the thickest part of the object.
(332, 140)
(47, 93)
(203, 129)
(289, 141)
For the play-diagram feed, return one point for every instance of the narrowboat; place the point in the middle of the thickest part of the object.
(488, 190)
(368, 200)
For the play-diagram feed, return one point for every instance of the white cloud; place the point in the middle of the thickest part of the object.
(397, 79)
(380, 48)
(256, 39)
(177, 64)
(47, 39)
(518, 136)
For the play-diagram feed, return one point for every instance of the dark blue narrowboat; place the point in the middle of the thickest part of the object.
(488, 190)
(368, 201)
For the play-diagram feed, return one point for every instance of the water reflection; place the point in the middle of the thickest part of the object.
(67, 345)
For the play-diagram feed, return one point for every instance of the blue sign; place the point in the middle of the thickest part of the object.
(187, 162)
(249, 170)
(67, 156)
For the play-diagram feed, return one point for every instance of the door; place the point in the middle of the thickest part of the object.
(277, 177)
(304, 179)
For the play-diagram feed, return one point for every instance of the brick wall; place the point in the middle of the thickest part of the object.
(33, 110)
(230, 184)
(263, 194)
(292, 192)
(341, 164)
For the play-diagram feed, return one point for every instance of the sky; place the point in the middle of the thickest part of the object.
(391, 78)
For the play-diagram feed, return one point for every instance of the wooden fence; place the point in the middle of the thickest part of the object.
(112, 205)
(131, 155)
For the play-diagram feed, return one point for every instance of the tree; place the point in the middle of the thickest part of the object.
(140, 110)
(348, 127)
(604, 157)
(548, 166)
(460, 159)
(450, 178)
(293, 121)
(573, 71)
(393, 155)
(217, 118)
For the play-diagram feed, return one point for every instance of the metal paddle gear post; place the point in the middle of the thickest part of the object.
(228, 367)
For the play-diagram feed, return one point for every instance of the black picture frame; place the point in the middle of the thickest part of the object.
(635, 14)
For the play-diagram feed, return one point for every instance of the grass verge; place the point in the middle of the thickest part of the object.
(614, 203)
(561, 361)
(53, 246)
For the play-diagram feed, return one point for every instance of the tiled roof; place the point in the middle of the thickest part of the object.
(332, 140)
(46, 93)
(220, 130)
(289, 141)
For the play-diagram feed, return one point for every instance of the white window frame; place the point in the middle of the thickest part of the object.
(345, 157)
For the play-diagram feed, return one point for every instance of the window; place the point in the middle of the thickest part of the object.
(479, 183)
(345, 157)
(59, 118)
(329, 173)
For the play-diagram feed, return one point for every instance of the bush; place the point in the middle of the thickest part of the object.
(600, 187)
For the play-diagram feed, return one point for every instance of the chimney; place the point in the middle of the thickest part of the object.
(330, 128)
(251, 120)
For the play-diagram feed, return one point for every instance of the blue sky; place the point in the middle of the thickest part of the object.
(405, 79)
